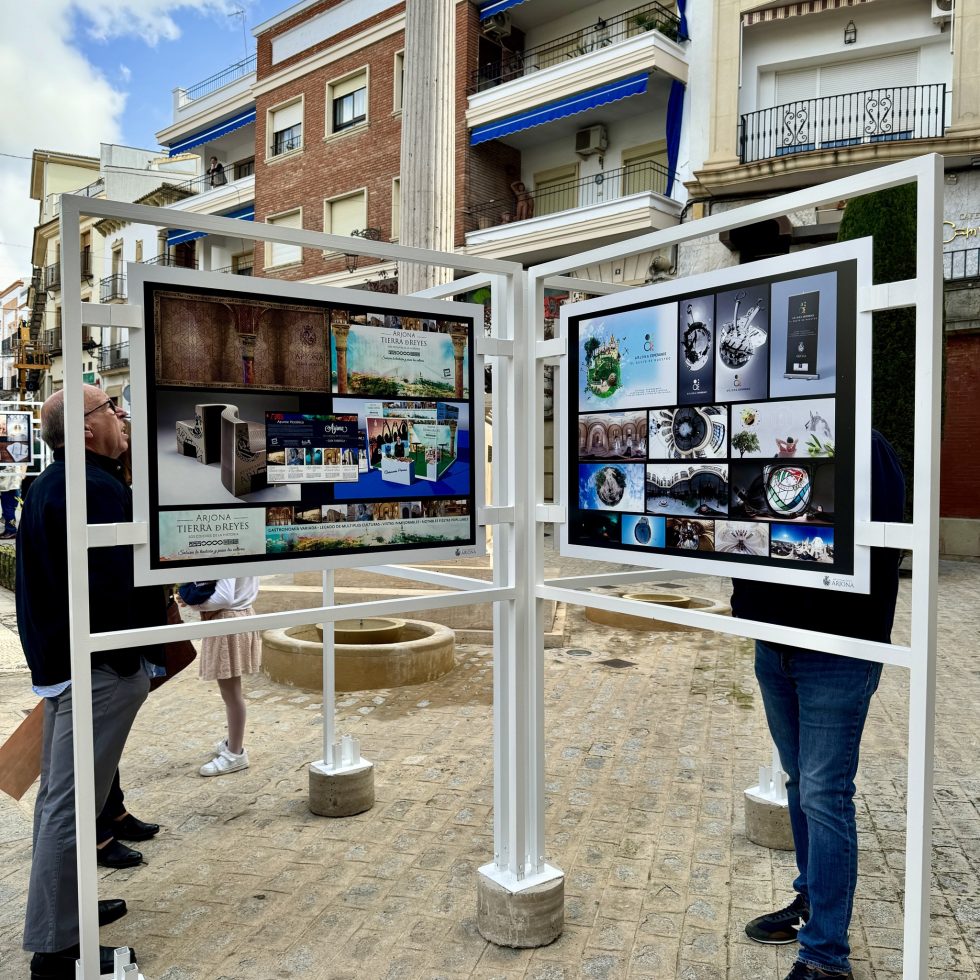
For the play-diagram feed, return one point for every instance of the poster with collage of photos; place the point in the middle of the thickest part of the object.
(302, 423)
(716, 424)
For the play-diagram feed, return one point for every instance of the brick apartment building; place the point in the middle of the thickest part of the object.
(328, 92)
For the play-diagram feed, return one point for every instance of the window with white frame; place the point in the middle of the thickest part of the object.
(397, 100)
(347, 102)
(344, 215)
(396, 207)
(286, 127)
(278, 253)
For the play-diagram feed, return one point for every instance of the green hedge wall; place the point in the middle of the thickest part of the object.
(889, 218)
(7, 553)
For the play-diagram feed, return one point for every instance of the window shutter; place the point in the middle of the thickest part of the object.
(279, 253)
(340, 89)
(348, 214)
(287, 116)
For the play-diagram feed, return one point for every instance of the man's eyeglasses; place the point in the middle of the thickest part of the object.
(114, 409)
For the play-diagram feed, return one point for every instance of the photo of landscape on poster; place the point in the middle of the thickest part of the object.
(711, 422)
(295, 423)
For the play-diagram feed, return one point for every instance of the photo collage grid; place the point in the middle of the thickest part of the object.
(707, 424)
(352, 427)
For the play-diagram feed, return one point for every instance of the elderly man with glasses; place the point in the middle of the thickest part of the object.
(119, 681)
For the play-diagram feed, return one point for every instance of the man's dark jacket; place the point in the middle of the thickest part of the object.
(42, 574)
(866, 617)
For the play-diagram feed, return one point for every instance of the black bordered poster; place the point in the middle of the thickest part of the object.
(713, 424)
(288, 424)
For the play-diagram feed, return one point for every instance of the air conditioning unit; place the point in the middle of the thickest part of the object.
(497, 25)
(942, 10)
(595, 139)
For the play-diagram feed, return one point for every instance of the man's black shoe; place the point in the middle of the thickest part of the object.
(130, 828)
(802, 971)
(111, 909)
(779, 928)
(116, 855)
(61, 965)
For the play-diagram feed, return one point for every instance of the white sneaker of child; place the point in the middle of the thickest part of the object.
(225, 761)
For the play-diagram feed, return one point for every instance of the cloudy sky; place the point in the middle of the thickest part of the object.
(77, 73)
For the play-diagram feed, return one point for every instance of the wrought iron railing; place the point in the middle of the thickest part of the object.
(52, 275)
(114, 357)
(172, 261)
(964, 263)
(879, 115)
(112, 287)
(52, 340)
(607, 31)
(286, 140)
(89, 190)
(241, 269)
(9, 346)
(610, 185)
(238, 70)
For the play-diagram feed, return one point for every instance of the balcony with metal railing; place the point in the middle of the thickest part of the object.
(114, 357)
(170, 261)
(875, 116)
(605, 33)
(112, 289)
(52, 203)
(52, 276)
(596, 209)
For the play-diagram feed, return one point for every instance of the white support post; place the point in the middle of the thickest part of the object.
(329, 705)
(341, 783)
(520, 900)
(925, 569)
(80, 629)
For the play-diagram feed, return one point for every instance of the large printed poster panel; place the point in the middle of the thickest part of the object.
(15, 438)
(280, 427)
(717, 426)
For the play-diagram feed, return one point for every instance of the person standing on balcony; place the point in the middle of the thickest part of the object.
(216, 174)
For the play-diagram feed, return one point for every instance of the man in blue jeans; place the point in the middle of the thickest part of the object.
(816, 706)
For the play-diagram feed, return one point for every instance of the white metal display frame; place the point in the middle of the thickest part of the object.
(921, 537)
(138, 276)
(858, 251)
(508, 348)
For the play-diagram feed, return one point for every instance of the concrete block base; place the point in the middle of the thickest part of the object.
(342, 793)
(767, 822)
(532, 917)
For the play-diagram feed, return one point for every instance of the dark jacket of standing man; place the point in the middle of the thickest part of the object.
(816, 705)
(119, 682)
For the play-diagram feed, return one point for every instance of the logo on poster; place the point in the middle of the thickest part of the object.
(838, 582)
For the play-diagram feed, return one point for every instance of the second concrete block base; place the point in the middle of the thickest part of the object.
(343, 793)
(767, 822)
(526, 919)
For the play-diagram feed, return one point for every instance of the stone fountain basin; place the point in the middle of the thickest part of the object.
(624, 621)
(381, 653)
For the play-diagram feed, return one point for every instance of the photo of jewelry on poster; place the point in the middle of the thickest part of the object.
(719, 423)
(294, 426)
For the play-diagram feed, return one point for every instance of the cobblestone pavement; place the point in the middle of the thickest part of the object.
(646, 765)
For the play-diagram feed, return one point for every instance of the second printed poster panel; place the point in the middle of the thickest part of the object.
(718, 424)
(283, 425)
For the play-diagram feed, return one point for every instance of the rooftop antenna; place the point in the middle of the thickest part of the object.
(240, 12)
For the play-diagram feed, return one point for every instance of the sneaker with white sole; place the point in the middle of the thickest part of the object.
(225, 761)
(779, 928)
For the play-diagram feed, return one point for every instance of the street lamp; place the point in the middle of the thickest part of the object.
(372, 234)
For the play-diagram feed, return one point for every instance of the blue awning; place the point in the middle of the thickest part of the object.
(213, 132)
(177, 236)
(497, 6)
(580, 102)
